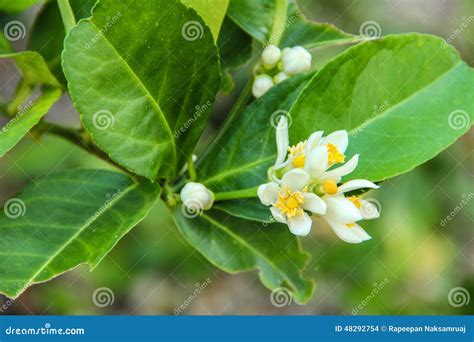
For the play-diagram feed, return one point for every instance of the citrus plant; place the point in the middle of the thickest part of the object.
(298, 150)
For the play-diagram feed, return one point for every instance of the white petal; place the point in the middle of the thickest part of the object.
(337, 173)
(356, 184)
(314, 203)
(345, 233)
(295, 179)
(313, 142)
(282, 140)
(300, 225)
(338, 138)
(268, 193)
(277, 215)
(369, 210)
(317, 162)
(361, 232)
(342, 210)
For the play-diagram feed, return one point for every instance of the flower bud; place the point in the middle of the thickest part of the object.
(261, 85)
(271, 56)
(280, 77)
(197, 195)
(295, 60)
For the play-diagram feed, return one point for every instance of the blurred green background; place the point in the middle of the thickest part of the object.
(409, 267)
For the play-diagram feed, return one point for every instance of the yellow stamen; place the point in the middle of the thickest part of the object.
(334, 156)
(290, 203)
(355, 200)
(330, 187)
(299, 161)
(350, 225)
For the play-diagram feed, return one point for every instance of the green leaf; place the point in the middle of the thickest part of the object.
(403, 99)
(264, 20)
(240, 156)
(236, 245)
(212, 11)
(26, 118)
(67, 219)
(303, 32)
(248, 208)
(146, 77)
(17, 5)
(47, 33)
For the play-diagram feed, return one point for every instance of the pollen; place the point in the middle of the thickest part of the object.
(350, 225)
(330, 187)
(334, 156)
(299, 161)
(355, 200)
(297, 149)
(290, 202)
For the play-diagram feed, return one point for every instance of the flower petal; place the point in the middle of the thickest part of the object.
(313, 142)
(345, 233)
(317, 162)
(338, 138)
(282, 140)
(369, 210)
(356, 184)
(277, 215)
(342, 210)
(295, 179)
(337, 173)
(300, 225)
(361, 232)
(314, 203)
(268, 193)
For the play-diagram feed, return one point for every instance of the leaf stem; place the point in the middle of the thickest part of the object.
(279, 20)
(191, 169)
(231, 195)
(67, 15)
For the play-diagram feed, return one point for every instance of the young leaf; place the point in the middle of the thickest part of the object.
(403, 99)
(143, 87)
(236, 245)
(303, 32)
(264, 20)
(67, 219)
(17, 5)
(240, 156)
(212, 11)
(47, 33)
(248, 208)
(26, 118)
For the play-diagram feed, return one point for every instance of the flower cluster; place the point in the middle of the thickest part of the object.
(305, 183)
(276, 66)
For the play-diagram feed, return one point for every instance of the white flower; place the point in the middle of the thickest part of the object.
(295, 60)
(271, 56)
(290, 199)
(343, 212)
(196, 195)
(261, 85)
(280, 77)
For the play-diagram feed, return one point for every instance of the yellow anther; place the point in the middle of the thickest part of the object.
(350, 225)
(297, 149)
(355, 200)
(299, 161)
(290, 203)
(334, 156)
(330, 187)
